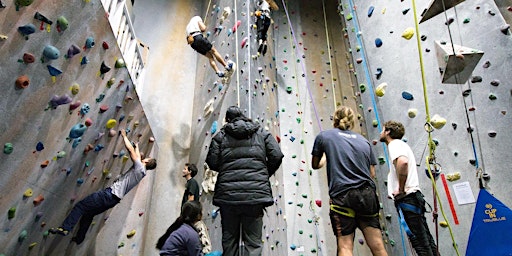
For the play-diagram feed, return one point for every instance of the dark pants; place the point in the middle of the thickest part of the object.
(263, 23)
(86, 209)
(248, 218)
(421, 239)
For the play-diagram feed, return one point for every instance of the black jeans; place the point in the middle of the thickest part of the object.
(263, 23)
(421, 239)
(86, 209)
(248, 218)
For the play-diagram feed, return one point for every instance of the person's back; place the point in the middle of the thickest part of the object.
(182, 242)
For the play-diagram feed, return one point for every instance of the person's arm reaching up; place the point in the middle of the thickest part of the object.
(134, 150)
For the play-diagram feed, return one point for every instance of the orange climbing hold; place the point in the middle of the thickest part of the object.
(45, 163)
(38, 200)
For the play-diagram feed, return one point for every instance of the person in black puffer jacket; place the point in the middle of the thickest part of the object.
(245, 156)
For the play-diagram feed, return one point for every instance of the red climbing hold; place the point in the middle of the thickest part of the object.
(318, 202)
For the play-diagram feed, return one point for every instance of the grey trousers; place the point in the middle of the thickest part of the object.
(245, 221)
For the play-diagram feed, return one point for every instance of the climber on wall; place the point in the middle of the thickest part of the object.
(263, 22)
(102, 200)
(198, 42)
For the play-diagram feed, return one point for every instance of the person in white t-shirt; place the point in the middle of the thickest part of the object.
(263, 21)
(195, 38)
(404, 189)
(102, 200)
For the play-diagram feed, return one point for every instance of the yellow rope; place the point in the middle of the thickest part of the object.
(431, 144)
(329, 54)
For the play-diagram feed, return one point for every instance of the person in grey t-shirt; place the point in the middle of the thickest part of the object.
(350, 169)
(102, 200)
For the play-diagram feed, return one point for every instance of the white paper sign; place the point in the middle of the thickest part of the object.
(463, 193)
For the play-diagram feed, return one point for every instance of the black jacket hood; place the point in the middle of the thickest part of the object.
(241, 129)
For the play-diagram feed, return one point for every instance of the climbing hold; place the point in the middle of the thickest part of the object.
(495, 82)
(131, 233)
(215, 213)
(412, 112)
(505, 28)
(8, 148)
(453, 176)
(381, 159)
(11, 213)
(56, 100)
(79, 181)
(449, 21)
(88, 122)
(112, 133)
(378, 74)
(51, 52)
(28, 193)
(492, 134)
(244, 42)
(437, 121)
(22, 236)
(237, 24)
(72, 51)
(289, 89)
(105, 45)
(362, 88)
(100, 98)
(120, 63)
(27, 30)
(476, 79)
(378, 42)
(348, 17)
(405, 11)
(22, 82)
(443, 224)
(381, 89)
(370, 11)
(213, 129)
(408, 33)
(77, 131)
(103, 108)
(104, 68)
(84, 60)
(75, 88)
(492, 96)
(318, 202)
(111, 123)
(24, 2)
(61, 154)
(28, 58)
(38, 200)
(361, 241)
(89, 42)
(74, 105)
(62, 23)
(53, 71)
(407, 95)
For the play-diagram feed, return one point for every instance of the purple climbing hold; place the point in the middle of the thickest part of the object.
(56, 101)
(476, 79)
(378, 42)
(370, 11)
(72, 51)
(486, 64)
(407, 95)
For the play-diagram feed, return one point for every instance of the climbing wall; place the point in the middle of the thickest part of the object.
(253, 87)
(66, 94)
(470, 110)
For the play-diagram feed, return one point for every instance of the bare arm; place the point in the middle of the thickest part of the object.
(202, 26)
(318, 162)
(372, 171)
(134, 151)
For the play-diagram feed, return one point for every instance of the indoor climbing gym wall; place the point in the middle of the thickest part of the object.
(231, 27)
(442, 69)
(66, 95)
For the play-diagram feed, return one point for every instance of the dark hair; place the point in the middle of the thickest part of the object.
(234, 113)
(396, 129)
(191, 212)
(192, 168)
(151, 164)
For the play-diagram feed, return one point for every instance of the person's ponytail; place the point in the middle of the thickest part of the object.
(174, 226)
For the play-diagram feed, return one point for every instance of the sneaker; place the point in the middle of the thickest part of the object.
(220, 74)
(59, 231)
(264, 49)
(260, 48)
(229, 67)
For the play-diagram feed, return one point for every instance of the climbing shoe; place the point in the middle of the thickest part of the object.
(260, 48)
(220, 74)
(59, 231)
(264, 49)
(229, 67)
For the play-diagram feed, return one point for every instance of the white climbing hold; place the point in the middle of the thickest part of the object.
(437, 121)
(412, 112)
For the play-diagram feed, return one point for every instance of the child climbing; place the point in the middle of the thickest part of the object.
(263, 22)
(102, 200)
(198, 42)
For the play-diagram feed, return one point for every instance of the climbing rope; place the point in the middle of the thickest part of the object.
(207, 10)
(236, 58)
(329, 54)
(430, 160)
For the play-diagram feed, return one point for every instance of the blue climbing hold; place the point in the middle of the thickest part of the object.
(76, 142)
(214, 127)
(39, 146)
(77, 131)
(98, 147)
(214, 253)
(378, 42)
(84, 60)
(407, 95)
(27, 29)
(370, 11)
(53, 71)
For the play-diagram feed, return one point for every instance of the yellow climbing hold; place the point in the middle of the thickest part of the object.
(32, 245)
(412, 112)
(28, 192)
(381, 89)
(111, 123)
(125, 158)
(3, 37)
(75, 88)
(131, 233)
(453, 176)
(437, 121)
(408, 33)
(443, 224)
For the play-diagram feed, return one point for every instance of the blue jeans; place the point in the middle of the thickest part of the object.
(250, 219)
(86, 209)
(421, 239)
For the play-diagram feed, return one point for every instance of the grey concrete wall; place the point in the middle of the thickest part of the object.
(399, 60)
(27, 120)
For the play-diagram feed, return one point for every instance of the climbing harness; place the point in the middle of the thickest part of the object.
(349, 212)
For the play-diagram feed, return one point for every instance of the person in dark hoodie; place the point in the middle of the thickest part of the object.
(245, 156)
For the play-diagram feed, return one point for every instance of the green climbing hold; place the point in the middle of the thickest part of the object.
(466, 21)
(120, 63)
(362, 88)
(392, 242)
(298, 120)
(305, 195)
(22, 235)
(62, 23)
(349, 17)
(310, 221)
(11, 213)
(313, 250)
(296, 183)
(8, 148)
(375, 123)
(301, 232)
(24, 2)
(294, 156)
(300, 205)
(382, 160)
(61, 154)
(289, 89)
(492, 96)
(111, 82)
